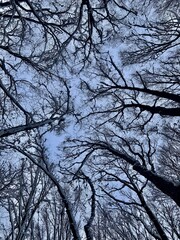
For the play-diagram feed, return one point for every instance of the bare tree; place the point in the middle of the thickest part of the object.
(125, 56)
(129, 118)
(132, 121)
(22, 200)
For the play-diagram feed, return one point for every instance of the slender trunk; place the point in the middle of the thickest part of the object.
(26, 127)
(152, 217)
(67, 205)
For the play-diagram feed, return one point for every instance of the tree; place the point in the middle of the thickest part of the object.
(111, 66)
(26, 192)
(132, 120)
(137, 103)
(35, 39)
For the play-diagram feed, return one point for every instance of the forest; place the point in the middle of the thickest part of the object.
(89, 120)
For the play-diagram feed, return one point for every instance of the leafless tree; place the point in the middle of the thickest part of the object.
(129, 122)
(113, 178)
(133, 121)
(22, 200)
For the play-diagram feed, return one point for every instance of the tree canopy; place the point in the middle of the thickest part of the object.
(90, 107)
